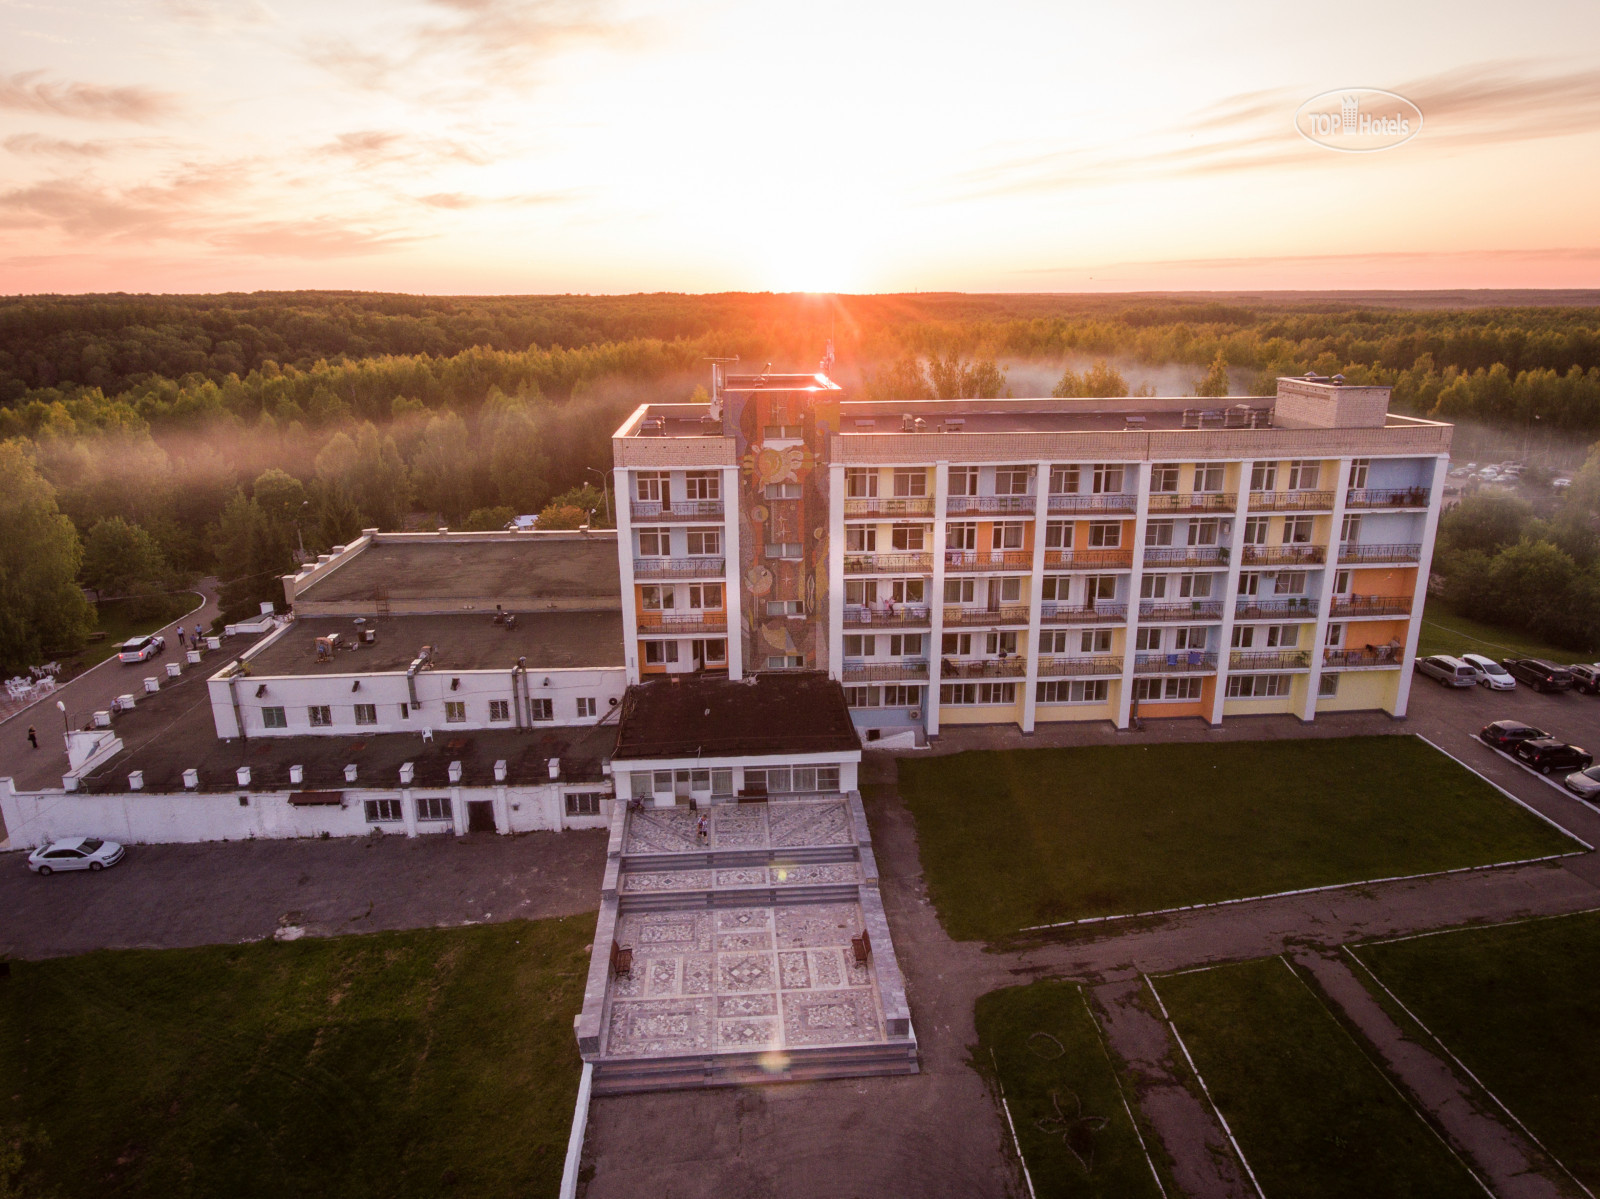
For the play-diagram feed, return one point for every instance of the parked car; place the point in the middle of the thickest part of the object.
(1539, 674)
(1451, 672)
(1585, 782)
(140, 649)
(1585, 677)
(75, 853)
(1508, 734)
(1490, 673)
(1547, 755)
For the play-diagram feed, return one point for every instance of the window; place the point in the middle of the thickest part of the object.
(1007, 535)
(1341, 582)
(1058, 535)
(1208, 477)
(651, 485)
(722, 780)
(1257, 686)
(405, 711)
(791, 607)
(586, 706)
(499, 710)
(908, 537)
(1290, 582)
(1011, 480)
(705, 595)
(662, 781)
(1105, 534)
(905, 645)
(274, 718)
(1194, 586)
(1009, 590)
(1107, 478)
(861, 591)
(1303, 476)
(1297, 530)
(1328, 684)
(1244, 636)
(366, 713)
(584, 803)
(1204, 532)
(1163, 479)
(1095, 641)
(827, 778)
(963, 480)
(782, 433)
(910, 482)
(959, 591)
(656, 598)
(455, 712)
(1155, 690)
(1255, 530)
(803, 779)
(1099, 587)
(906, 591)
(705, 543)
(656, 653)
(860, 539)
(541, 709)
(382, 811)
(713, 651)
(1153, 587)
(775, 779)
(1350, 528)
(1056, 587)
(1358, 479)
(959, 644)
(702, 485)
(864, 697)
(858, 645)
(1250, 583)
(783, 551)
(433, 807)
(1063, 691)
(781, 491)
(321, 715)
(655, 543)
(786, 662)
(1159, 532)
(901, 695)
(1002, 645)
(962, 535)
(1189, 638)
(1063, 480)
(977, 693)
(1264, 476)
(860, 483)
(1147, 640)
(1282, 636)
(1334, 636)
(1053, 641)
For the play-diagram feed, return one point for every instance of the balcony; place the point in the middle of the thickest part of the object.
(655, 510)
(1388, 497)
(1055, 668)
(969, 560)
(1092, 559)
(1406, 552)
(887, 616)
(900, 562)
(1295, 607)
(683, 622)
(1284, 555)
(982, 668)
(1016, 505)
(897, 505)
(1277, 659)
(1101, 613)
(1186, 555)
(1291, 501)
(678, 568)
(908, 670)
(1200, 609)
(1192, 661)
(987, 618)
(1192, 501)
(1095, 505)
(1371, 605)
(1354, 659)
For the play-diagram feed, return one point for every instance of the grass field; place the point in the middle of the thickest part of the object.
(1443, 632)
(117, 625)
(1312, 1114)
(1026, 837)
(1075, 1131)
(1517, 1004)
(437, 1062)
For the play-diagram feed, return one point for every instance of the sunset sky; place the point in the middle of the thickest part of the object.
(616, 145)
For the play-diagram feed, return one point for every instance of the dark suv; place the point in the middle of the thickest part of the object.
(1539, 674)
(1508, 734)
(1585, 677)
(1547, 755)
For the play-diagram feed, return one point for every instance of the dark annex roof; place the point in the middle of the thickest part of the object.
(782, 712)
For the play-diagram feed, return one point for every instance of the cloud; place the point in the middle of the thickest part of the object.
(456, 201)
(1373, 258)
(25, 92)
(451, 200)
(314, 238)
(37, 145)
(372, 147)
(213, 16)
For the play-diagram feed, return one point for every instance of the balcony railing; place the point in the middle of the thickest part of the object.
(1284, 555)
(1115, 501)
(1186, 555)
(676, 510)
(961, 505)
(678, 568)
(907, 670)
(1091, 559)
(1193, 501)
(889, 505)
(1182, 662)
(1388, 497)
(1200, 609)
(1346, 659)
(683, 622)
(1280, 659)
(1007, 614)
(1297, 607)
(892, 616)
(904, 562)
(1399, 552)
(1099, 665)
(1371, 605)
(963, 560)
(1291, 501)
(1105, 612)
(982, 668)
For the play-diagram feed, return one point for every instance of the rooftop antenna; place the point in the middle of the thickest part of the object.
(826, 364)
(715, 412)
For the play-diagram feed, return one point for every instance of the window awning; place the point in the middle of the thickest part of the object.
(306, 799)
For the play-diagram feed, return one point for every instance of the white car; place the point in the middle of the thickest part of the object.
(1490, 673)
(75, 853)
(1585, 782)
(140, 649)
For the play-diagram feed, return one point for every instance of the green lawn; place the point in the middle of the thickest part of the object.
(1026, 837)
(118, 625)
(1517, 1004)
(418, 1063)
(1075, 1131)
(1443, 632)
(1312, 1113)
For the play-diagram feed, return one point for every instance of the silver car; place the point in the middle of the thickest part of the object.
(1490, 673)
(1585, 782)
(75, 853)
(1450, 672)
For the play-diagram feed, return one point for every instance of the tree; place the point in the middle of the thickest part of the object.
(562, 516)
(121, 559)
(518, 469)
(586, 499)
(253, 556)
(42, 608)
(1215, 381)
(1486, 522)
(1100, 379)
(487, 520)
(443, 465)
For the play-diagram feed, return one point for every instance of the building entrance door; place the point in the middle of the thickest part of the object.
(480, 816)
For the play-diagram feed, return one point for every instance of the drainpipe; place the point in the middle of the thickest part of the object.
(519, 671)
(233, 695)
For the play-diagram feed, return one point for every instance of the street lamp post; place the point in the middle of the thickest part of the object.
(66, 725)
(605, 483)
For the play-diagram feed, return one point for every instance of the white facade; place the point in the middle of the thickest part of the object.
(663, 781)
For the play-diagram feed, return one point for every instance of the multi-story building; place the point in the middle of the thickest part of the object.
(1027, 560)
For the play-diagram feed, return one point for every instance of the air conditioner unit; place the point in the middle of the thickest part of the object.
(915, 713)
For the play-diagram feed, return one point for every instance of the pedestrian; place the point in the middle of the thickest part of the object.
(33, 737)
(700, 829)
(197, 636)
(182, 644)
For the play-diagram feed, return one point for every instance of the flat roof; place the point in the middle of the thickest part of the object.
(516, 571)
(172, 731)
(778, 712)
(548, 640)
